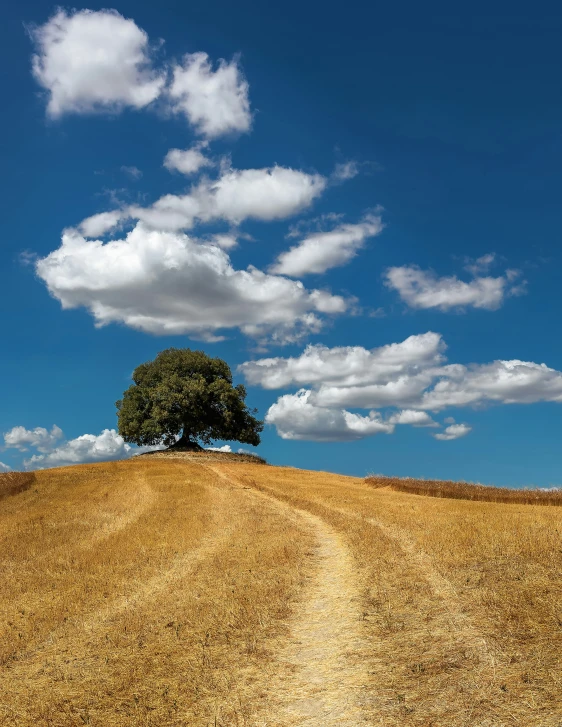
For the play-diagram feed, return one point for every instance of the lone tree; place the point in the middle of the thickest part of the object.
(187, 393)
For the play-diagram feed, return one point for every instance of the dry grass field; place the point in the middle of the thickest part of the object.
(215, 592)
(468, 491)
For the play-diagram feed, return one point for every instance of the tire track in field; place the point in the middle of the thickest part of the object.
(179, 567)
(142, 498)
(442, 588)
(94, 623)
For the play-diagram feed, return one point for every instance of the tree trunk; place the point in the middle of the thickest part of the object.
(185, 444)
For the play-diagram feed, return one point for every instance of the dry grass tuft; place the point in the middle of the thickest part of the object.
(467, 491)
(12, 483)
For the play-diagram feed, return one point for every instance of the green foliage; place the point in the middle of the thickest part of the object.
(189, 393)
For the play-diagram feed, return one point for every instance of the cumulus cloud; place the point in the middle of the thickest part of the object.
(505, 382)
(348, 366)
(39, 438)
(5, 467)
(424, 289)
(91, 61)
(267, 194)
(238, 194)
(224, 448)
(225, 240)
(109, 445)
(413, 417)
(98, 225)
(187, 161)
(167, 283)
(412, 377)
(454, 431)
(296, 417)
(214, 101)
(321, 251)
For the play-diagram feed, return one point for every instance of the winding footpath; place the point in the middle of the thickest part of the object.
(320, 670)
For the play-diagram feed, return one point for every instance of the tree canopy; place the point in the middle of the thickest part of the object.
(185, 394)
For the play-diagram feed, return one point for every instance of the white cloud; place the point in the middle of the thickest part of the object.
(455, 431)
(413, 417)
(412, 377)
(237, 195)
(187, 161)
(506, 382)
(296, 417)
(109, 445)
(224, 448)
(132, 172)
(100, 224)
(5, 467)
(215, 102)
(267, 194)
(225, 240)
(94, 61)
(40, 438)
(405, 390)
(324, 250)
(423, 289)
(346, 366)
(166, 283)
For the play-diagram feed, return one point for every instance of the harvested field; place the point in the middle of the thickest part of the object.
(468, 491)
(213, 592)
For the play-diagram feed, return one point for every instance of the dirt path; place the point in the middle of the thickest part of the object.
(459, 622)
(320, 672)
(322, 679)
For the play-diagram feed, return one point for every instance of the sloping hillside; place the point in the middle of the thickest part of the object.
(172, 591)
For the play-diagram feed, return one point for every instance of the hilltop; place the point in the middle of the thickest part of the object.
(212, 590)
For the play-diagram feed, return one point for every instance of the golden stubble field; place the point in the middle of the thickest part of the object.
(212, 592)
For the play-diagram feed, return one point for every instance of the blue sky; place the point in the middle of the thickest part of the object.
(380, 184)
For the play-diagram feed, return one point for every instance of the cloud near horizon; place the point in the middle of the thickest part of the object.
(39, 438)
(106, 446)
(412, 377)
